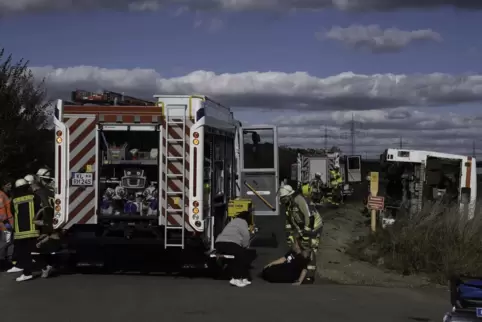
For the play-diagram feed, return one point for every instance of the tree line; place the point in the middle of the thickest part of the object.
(26, 138)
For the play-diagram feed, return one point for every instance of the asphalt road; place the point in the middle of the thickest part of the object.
(82, 298)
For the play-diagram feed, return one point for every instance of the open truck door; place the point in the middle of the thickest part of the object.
(259, 173)
(258, 180)
(353, 169)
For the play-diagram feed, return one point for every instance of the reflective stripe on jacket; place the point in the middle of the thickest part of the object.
(24, 215)
(335, 178)
(303, 215)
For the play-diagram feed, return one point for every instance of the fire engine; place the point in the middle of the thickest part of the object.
(135, 172)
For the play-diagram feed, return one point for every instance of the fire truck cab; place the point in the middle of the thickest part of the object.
(136, 172)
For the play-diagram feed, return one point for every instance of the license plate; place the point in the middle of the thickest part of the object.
(82, 179)
(478, 311)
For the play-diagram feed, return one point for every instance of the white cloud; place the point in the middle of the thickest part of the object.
(377, 40)
(303, 105)
(18, 6)
(278, 90)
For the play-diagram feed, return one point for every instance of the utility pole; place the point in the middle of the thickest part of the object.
(326, 139)
(401, 143)
(473, 148)
(352, 133)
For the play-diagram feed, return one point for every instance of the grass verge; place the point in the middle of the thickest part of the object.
(439, 243)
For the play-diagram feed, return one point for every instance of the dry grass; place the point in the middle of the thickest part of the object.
(439, 242)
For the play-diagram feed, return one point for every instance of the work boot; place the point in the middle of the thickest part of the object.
(15, 270)
(46, 271)
(24, 278)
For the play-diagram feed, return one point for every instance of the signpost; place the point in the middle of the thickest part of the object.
(374, 180)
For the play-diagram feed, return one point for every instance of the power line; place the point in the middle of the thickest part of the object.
(352, 133)
(326, 139)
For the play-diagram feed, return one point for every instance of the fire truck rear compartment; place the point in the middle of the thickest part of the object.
(128, 176)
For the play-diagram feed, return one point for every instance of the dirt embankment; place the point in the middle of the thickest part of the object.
(342, 227)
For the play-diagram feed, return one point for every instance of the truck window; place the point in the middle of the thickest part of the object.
(258, 149)
(354, 163)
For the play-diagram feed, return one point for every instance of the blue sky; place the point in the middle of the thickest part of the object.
(175, 44)
(246, 41)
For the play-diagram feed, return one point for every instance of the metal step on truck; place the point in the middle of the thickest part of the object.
(141, 182)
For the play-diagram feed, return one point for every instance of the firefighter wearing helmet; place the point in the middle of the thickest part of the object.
(303, 223)
(336, 182)
(25, 204)
(44, 176)
(317, 188)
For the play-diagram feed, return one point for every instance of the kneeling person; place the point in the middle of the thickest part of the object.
(291, 268)
(234, 240)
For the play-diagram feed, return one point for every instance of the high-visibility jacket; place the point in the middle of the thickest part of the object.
(302, 215)
(24, 209)
(5, 210)
(336, 179)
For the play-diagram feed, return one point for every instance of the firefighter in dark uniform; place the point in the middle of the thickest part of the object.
(49, 240)
(304, 225)
(25, 205)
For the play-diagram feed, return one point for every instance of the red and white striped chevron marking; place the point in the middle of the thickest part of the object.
(82, 152)
(175, 167)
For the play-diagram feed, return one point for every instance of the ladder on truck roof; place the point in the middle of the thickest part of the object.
(181, 193)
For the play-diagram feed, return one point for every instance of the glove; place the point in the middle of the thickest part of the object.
(307, 231)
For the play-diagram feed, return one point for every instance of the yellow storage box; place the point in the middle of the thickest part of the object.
(237, 206)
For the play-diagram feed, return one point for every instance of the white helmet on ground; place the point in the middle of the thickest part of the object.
(29, 178)
(285, 191)
(20, 183)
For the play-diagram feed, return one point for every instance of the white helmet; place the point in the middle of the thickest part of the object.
(21, 183)
(285, 191)
(29, 178)
(318, 174)
(43, 173)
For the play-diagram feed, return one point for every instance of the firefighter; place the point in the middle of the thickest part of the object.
(25, 204)
(335, 184)
(44, 177)
(317, 187)
(6, 225)
(303, 224)
(306, 190)
(49, 240)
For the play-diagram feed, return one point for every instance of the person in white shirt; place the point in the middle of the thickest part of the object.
(234, 240)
